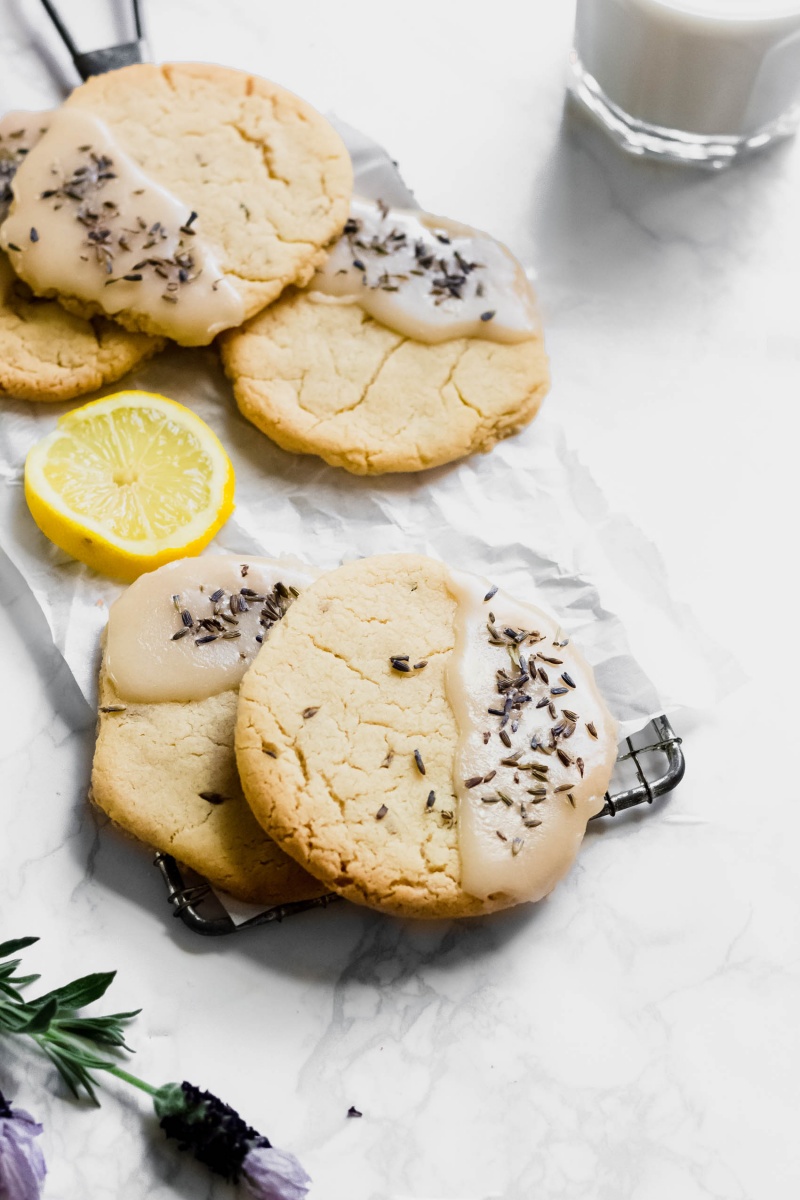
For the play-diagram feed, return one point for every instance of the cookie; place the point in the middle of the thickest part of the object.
(416, 343)
(45, 352)
(268, 178)
(49, 354)
(411, 756)
(164, 770)
(327, 379)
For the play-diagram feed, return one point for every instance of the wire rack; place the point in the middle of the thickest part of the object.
(97, 62)
(649, 765)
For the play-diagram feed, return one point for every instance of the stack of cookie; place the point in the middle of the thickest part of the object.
(253, 173)
(195, 203)
(399, 733)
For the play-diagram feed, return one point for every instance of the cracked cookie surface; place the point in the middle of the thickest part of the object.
(322, 377)
(327, 731)
(151, 764)
(48, 354)
(269, 177)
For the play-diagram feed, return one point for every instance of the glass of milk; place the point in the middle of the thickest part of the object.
(692, 81)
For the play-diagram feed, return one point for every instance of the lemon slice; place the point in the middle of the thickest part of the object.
(129, 482)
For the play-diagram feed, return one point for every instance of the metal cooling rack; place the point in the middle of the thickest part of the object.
(97, 62)
(649, 765)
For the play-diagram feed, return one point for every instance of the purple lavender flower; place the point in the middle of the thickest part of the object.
(218, 1137)
(22, 1167)
(272, 1174)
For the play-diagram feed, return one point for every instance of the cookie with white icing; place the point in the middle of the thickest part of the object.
(416, 343)
(179, 199)
(164, 767)
(46, 353)
(421, 746)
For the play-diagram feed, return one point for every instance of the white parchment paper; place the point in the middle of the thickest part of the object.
(528, 516)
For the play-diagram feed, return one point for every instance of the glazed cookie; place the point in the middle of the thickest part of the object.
(417, 343)
(45, 352)
(422, 743)
(181, 199)
(49, 354)
(164, 768)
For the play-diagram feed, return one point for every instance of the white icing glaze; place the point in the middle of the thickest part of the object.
(143, 661)
(85, 215)
(404, 282)
(529, 859)
(19, 133)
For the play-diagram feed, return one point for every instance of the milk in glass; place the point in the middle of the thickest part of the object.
(698, 80)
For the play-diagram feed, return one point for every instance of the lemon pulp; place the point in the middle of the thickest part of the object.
(129, 482)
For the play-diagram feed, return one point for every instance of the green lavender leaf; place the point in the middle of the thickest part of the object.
(20, 981)
(73, 1061)
(103, 1031)
(15, 944)
(81, 991)
(8, 990)
(8, 967)
(9, 982)
(74, 1074)
(14, 1016)
(54, 1021)
(40, 1018)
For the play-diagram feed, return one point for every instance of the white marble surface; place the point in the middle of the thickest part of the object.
(635, 1036)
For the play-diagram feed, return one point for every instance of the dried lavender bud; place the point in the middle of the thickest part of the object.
(213, 1131)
